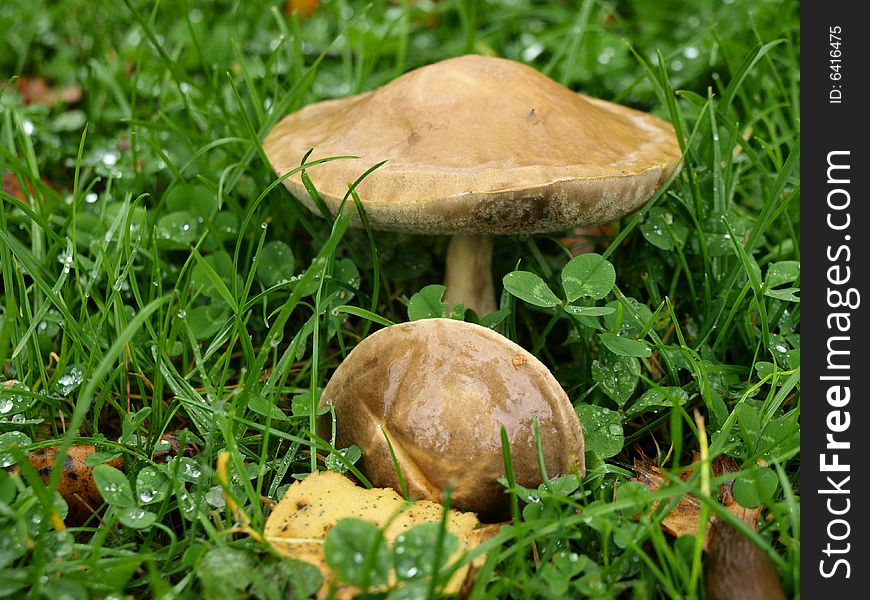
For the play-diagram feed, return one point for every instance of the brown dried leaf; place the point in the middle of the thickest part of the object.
(76, 480)
(35, 90)
(299, 523)
(588, 238)
(302, 8)
(685, 518)
(726, 464)
(10, 186)
(76, 483)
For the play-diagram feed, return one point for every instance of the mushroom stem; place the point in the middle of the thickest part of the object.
(468, 275)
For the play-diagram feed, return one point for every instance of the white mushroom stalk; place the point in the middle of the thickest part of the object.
(468, 273)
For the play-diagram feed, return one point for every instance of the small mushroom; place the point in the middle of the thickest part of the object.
(477, 146)
(439, 391)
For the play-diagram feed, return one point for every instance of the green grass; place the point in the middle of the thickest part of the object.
(156, 277)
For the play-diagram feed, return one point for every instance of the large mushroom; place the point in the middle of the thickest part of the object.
(439, 391)
(477, 146)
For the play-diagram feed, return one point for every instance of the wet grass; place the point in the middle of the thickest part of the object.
(157, 277)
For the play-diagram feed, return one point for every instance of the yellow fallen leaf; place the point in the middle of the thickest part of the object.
(299, 523)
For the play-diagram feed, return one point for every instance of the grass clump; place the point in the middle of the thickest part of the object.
(157, 277)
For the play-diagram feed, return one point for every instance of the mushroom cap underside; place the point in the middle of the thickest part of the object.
(477, 145)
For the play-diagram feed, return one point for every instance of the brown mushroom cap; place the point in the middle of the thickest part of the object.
(478, 145)
(441, 390)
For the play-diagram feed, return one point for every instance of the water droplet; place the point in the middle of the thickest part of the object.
(71, 379)
(532, 51)
(28, 127)
(215, 497)
(190, 470)
(66, 260)
(691, 52)
(109, 158)
(90, 197)
(606, 55)
(614, 429)
(188, 505)
(12, 402)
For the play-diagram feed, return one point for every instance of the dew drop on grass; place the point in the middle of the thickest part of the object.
(71, 379)
(532, 51)
(66, 260)
(151, 485)
(605, 56)
(137, 517)
(109, 158)
(187, 504)
(11, 438)
(61, 544)
(215, 497)
(12, 402)
(190, 471)
(11, 547)
(146, 495)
